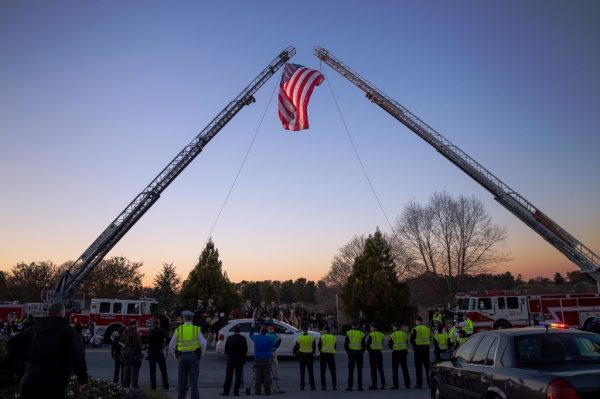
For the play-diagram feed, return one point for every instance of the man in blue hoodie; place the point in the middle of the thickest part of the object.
(263, 346)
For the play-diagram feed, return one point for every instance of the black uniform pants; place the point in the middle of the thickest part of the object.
(421, 361)
(328, 359)
(355, 358)
(376, 365)
(237, 366)
(399, 357)
(153, 360)
(306, 362)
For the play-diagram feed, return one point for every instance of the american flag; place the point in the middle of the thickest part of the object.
(295, 89)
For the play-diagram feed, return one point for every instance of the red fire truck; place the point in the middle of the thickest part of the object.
(503, 309)
(108, 315)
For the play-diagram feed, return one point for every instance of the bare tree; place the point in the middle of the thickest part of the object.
(450, 236)
(341, 266)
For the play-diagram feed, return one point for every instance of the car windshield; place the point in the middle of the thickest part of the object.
(552, 348)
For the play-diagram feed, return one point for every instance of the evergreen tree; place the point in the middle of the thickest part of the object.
(373, 285)
(207, 280)
(166, 287)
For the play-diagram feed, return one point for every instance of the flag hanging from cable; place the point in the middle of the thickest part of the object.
(295, 89)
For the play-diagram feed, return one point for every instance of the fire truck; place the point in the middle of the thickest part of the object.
(108, 315)
(504, 309)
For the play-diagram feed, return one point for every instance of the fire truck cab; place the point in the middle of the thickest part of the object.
(503, 309)
(108, 315)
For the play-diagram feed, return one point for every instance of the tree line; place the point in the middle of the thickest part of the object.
(434, 251)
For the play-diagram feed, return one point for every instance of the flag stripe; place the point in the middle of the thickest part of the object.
(296, 87)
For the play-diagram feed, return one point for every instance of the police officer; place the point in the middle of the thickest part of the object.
(419, 338)
(355, 347)
(452, 335)
(327, 349)
(374, 343)
(440, 342)
(398, 343)
(188, 343)
(305, 347)
(437, 317)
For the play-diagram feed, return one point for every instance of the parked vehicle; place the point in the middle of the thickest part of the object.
(532, 362)
(288, 334)
(503, 309)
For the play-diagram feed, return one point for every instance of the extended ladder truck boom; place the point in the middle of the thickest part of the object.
(92, 256)
(581, 255)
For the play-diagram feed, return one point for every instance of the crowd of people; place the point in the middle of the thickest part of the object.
(39, 347)
(295, 314)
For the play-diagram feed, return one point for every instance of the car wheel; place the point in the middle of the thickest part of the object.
(436, 393)
(501, 324)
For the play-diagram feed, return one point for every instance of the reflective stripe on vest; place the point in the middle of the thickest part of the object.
(422, 336)
(305, 343)
(327, 343)
(399, 340)
(354, 337)
(468, 326)
(442, 340)
(376, 340)
(187, 338)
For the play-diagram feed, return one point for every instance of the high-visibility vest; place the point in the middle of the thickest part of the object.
(442, 340)
(452, 335)
(305, 343)
(187, 337)
(355, 337)
(327, 343)
(461, 340)
(437, 317)
(468, 326)
(399, 340)
(422, 335)
(376, 340)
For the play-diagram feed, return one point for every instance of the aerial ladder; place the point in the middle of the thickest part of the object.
(558, 237)
(64, 289)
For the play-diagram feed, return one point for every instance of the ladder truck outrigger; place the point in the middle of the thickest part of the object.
(91, 257)
(558, 237)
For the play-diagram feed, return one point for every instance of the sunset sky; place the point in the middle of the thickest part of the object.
(96, 98)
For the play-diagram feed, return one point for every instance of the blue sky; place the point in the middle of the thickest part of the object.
(97, 97)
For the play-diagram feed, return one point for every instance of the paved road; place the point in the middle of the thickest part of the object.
(212, 375)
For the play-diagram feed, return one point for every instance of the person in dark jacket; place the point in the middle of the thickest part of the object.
(52, 351)
(115, 352)
(156, 355)
(236, 349)
(131, 351)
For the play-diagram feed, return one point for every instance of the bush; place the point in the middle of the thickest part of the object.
(96, 389)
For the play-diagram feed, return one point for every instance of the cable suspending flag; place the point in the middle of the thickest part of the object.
(295, 89)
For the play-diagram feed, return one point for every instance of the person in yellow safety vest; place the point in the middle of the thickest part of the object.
(468, 326)
(398, 343)
(440, 342)
(437, 317)
(188, 344)
(452, 335)
(305, 347)
(420, 340)
(355, 347)
(327, 349)
(374, 344)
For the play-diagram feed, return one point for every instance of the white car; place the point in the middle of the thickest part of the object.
(288, 334)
